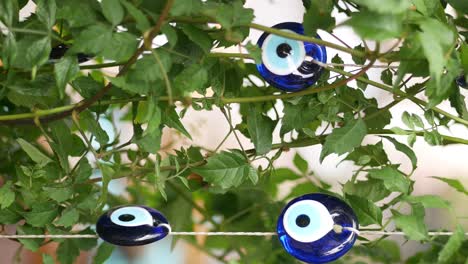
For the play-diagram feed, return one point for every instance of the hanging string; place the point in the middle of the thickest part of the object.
(256, 234)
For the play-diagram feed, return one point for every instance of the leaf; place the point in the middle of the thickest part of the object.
(387, 77)
(406, 118)
(9, 50)
(300, 163)
(297, 116)
(192, 78)
(35, 154)
(428, 201)
(69, 218)
(9, 12)
(67, 252)
(121, 47)
(344, 139)
(405, 150)
(93, 40)
(433, 138)
(104, 251)
(172, 119)
(373, 190)
(199, 37)
(113, 11)
(185, 7)
(142, 22)
(65, 71)
(456, 184)
(88, 121)
(41, 215)
(86, 86)
(260, 129)
(255, 52)
(47, 259)
(233, 15)
(146, 69)
(318, 16)
(460, 5)
(383, 27)
(59, 194)
(452, 246)
(393, 179)
(45, 11)
(385, 7)
(7, 196)
(150, 142)
(366, 211)
(32, 51)
(227, 170)
(412, 225)
(76, 13)
(31, 244)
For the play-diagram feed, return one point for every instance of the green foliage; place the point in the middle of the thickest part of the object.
(58, 156)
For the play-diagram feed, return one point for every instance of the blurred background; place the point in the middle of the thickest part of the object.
(209, 128)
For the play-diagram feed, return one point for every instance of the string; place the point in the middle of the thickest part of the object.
(256, 234)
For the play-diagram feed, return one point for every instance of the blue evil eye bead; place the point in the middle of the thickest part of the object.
(288, 64)
(317, 228)
(59, 51)
(132, 226)
(461, 81)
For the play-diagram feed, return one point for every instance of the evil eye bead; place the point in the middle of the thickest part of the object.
(461, 81)
(288, 64)
(132, 226)
(59, 51)
(307, 228)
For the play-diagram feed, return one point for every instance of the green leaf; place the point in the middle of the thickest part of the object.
(452, 246)
(113, 11)
(172, 119)
(47, 259)
(9, 12)
(86, 86)
(433, 138)
(77, 14)
(297, 116)
(69, 218)
(192, 78)
(142, 22)
(383, 27)
(456, 184)
(59, 194)
(344, 139)
(121, 47)
(385, 7)
(9, 50)
(373, 190)
(199, 37)
(227, 170)
(412, 225)
(318, 16)
(367, 212)
(88, 121)
(428, 201)
(255, 52)
(147, 69)
(65, 71)
(260, 129)
(31, 244)
(460, 5)
(83, 171)
(32, 51)
(233, 15)
(405, 150)
(93, 40)
(104, 251)
(67, 252)
(387, 77)
(393, 179)
(300, 163)
(45, 11)
(7, 196)
(406, 118)
(150, 142)
(185, 7)
(35, 154)
(41, 215)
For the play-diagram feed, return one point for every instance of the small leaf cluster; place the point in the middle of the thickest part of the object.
(59, 119)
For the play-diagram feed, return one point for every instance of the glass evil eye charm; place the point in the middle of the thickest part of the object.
(59, 51)
(132, 226)
(461, 81)
(307, 228)
(286, 63)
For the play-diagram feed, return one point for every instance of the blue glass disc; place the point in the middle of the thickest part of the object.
(304, 216)
(133, 225)
(461, 81)
(286, 63)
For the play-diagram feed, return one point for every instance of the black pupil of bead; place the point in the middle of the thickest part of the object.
(302, 221)
(126, 217)
(283, 50)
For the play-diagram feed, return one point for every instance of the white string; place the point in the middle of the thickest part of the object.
(364, 232)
